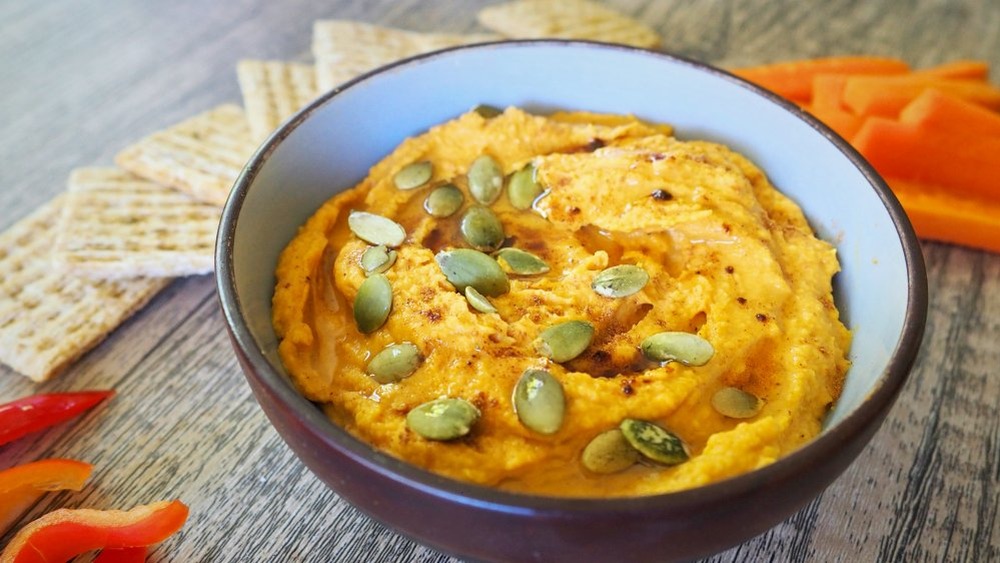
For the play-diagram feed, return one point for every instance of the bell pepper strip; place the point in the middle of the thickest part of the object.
(23, 485)
(123, 555)
(37, 412)
(888, 95)
(963, 68)
(938, 214)
(63, 534)
(793, 79)
(936, 111)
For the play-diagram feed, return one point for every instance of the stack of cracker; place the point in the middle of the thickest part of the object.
(84, 262)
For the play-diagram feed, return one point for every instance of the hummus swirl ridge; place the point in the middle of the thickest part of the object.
(729, 258)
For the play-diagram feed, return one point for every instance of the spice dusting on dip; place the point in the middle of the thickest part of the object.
(575, 304)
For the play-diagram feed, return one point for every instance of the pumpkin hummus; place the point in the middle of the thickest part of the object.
(711, 250)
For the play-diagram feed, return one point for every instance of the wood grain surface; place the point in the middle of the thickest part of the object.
(81, 79)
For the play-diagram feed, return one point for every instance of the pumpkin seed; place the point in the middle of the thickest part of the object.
(443, 419)
(539, 401)
(688, 349)
(654, 442)
(620, 281)
(736, 403)
(482, 228)
(377, 259)
(517, 261)
(394, 363)
(609, 452)
(376, 229)
(444, 201)
(523, 188)
(478, 301)
(564, 341)
(485, 180)
(487, 111)
(373, 303)
(413, 175)
(465, 267)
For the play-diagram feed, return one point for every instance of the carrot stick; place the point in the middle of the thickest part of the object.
(965, 164)
(967, 69)
(942, 216)
(888, 95)
(793, 79)
(828, 89)
(935, 111)
(845, 123)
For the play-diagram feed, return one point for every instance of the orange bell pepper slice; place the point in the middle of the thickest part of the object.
(37, 412)
(65, 533)
(23, 485)
(124, 555)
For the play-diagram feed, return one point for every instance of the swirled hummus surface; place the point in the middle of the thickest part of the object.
(728, 258)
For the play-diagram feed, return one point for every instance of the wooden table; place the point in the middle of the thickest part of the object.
(81, 79)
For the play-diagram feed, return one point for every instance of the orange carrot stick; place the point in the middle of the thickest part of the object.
(845, 123)
(942, 216)
(888, 95)
(793, 79)
(967, 69)
(965, 164)
(936, 111)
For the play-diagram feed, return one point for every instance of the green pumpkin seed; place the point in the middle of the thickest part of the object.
(523, 188)
(609, 452)
(736, 403)
(482, 228)
(444, 201)
(654, 442)
(564, 341)
(620, 281)
(376, 229)
(478, 301)
(413, 175)
(394, 363)
(377, 259)
(485, 180)
(443, 419)
(688, 349)
(487, 111)
(373, 303)
(539, 401)
(519, 262)
(465, 267)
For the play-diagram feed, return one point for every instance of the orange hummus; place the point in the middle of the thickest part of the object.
(728, 259)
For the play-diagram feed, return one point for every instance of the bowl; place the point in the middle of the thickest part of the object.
(329, 146)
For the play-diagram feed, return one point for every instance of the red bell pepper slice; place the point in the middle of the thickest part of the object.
(30, 414)
(63, 534)
(23, 485)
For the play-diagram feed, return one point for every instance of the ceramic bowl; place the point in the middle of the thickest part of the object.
(329, 146)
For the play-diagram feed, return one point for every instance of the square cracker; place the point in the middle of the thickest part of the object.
(273, 91)
(201, 156)
(49, 319)
(568, 19)
(346, 49)
(115, 224)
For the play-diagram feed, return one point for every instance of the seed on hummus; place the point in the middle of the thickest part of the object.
(519, 262)
(564, 341)
(642, 272)
(654, 442)
(688, 349)
(376, 229)
(482, 228)
(443, 419)
(539, 401)
(413, 175)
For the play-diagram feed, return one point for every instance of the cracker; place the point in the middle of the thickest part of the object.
(117, 225)
(346, 49)
(273, 91)
(201, 156)
(49, 319)
(568, 19)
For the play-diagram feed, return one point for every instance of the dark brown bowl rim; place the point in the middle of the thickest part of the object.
(825, 446)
